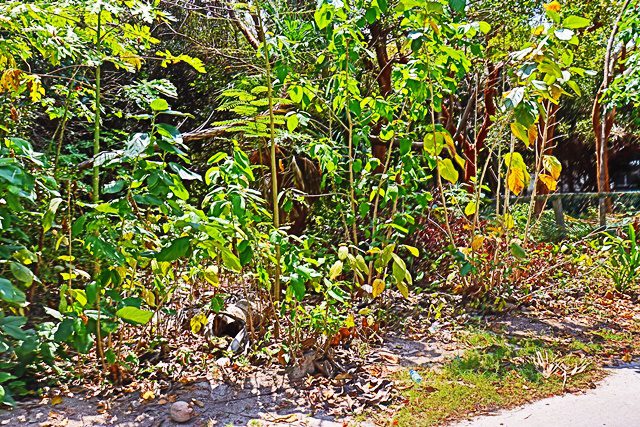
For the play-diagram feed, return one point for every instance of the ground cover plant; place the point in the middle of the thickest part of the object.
(193, 191)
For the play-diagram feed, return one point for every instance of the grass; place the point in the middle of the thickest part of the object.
(495, 372)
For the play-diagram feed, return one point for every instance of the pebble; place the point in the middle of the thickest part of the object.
(181, 411)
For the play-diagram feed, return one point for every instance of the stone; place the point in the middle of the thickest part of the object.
(181, 411)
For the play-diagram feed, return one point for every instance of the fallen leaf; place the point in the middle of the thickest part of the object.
(148, 395)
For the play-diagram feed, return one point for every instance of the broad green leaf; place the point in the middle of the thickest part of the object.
(230, 260)
(10, 293)
(323, 16)
(292, 122)
(295, 93)
(178, 248)
(134, 315)
(22, 273)
(458, 5)
(518, 251)
(159, 104)
(574, 22)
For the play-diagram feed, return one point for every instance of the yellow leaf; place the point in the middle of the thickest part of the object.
(10, 80)
(477, 242)
(447, 170)
(56, 400)
(148, 395)
(471, 208)
(532, 133)
(549, 182)
(350, 321)
(378, 287)
(404, 290)
(509, 223)
(553, 166)
(197, 322)
(515, 180)
(412, 250)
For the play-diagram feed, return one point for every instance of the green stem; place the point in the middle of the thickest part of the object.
(272, 141)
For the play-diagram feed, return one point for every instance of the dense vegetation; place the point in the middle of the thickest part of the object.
(163, 160)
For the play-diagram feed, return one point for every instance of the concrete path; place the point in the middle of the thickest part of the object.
(614, 403)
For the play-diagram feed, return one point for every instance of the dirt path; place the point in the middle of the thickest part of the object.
(614, 403)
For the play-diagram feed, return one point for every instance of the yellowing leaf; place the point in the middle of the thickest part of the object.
(378, 287)
(447, 170)
(553, 166)
(335, 270)
(56, 400)
(520, 132)
(532, 134)
(471, 208)
(197, 322)
(548, 181)
(148, 395)
(515, 180)
(509, 223)
(476, 243)
(350, 321)
(412, 250)
(404, 290)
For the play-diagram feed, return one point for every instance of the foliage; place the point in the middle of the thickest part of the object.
(623, 261)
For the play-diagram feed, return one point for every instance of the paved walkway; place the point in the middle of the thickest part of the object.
(614, 403)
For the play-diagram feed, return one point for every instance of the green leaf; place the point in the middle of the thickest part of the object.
(448, 171)
(335, 270)
(178, 248)
(371, 15)
(47, 220)
(230, 260)
(10, 293)
(518, 251)
(574, 22)
(64, 330)
(159, 104)
(323, 16)
(292, 122)
(134, 315)
(458, 5)
(22, 273)
(295, 93)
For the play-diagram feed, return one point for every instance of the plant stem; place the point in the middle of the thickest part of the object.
(272, 141)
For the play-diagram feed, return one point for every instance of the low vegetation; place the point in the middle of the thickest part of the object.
(279, 184)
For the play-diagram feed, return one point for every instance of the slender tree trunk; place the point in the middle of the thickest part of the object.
(603, 119)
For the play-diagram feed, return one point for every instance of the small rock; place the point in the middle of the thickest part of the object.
(223, 362)
(181, 411)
